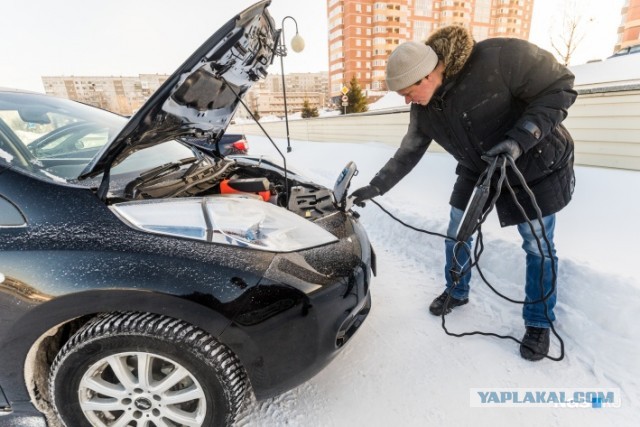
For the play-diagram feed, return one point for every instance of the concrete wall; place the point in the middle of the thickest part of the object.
(605, 126)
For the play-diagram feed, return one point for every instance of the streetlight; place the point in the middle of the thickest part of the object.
(297, 44)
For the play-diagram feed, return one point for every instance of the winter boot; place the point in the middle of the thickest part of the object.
(535, 343)
(438, 305)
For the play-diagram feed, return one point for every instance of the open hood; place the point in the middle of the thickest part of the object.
(198, 99)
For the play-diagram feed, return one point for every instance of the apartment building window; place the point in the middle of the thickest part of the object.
(336, 11)
(358, 31)
(482, 12)
(369, 19)
(480, 33)
(423, 7)
(358, 42)
(421, 30)
(358, 20)
(358, 64)
(358, 7)
(358, 54)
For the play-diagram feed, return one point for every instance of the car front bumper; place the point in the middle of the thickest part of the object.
(305, 309)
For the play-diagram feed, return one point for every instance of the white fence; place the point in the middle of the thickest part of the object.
(605, 126)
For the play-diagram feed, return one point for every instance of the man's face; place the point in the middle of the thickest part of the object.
(422, 91)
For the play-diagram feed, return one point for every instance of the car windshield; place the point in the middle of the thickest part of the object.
(57, 138)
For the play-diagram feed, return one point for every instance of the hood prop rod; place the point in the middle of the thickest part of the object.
(284, 159)
(104, 184)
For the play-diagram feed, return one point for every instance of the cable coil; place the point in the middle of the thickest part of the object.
(458, 271)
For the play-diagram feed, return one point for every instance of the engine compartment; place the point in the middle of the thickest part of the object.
(208, 176)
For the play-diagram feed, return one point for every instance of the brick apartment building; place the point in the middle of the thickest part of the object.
(629, 30)
(362, 33)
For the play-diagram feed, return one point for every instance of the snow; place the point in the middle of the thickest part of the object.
(389, 100)
(402, 369)
(614, 71)
(6, 156)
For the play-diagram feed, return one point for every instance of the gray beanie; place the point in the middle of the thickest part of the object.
(408, 63)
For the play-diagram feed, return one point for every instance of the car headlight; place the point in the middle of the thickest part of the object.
(231, 220)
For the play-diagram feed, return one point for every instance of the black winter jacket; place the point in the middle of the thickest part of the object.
(492, 90)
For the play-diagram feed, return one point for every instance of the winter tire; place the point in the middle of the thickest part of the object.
(145, 370)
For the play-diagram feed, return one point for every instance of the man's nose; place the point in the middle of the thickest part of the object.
(407, 99)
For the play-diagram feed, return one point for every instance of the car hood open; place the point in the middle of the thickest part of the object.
(199, 98)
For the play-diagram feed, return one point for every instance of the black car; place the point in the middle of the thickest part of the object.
(146, 282)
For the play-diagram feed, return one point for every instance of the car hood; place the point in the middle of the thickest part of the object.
(199, 98)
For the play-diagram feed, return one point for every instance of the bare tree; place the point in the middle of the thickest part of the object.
(569, 33)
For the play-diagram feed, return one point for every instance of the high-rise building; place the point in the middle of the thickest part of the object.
(362, 33)
(629, 30)
(123, 95)
(266, 96)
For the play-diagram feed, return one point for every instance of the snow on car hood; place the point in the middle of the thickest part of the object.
(198, 99)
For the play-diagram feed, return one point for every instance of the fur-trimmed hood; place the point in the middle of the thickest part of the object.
(453, 45)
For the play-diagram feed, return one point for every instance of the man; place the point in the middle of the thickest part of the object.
(480, 100)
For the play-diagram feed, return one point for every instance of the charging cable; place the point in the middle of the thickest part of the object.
(475, 216)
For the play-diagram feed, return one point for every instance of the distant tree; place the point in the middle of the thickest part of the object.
(569, 30)
(256, 114)
(357, 99)
(308, 111)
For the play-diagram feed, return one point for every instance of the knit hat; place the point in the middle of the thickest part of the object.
(408, 63)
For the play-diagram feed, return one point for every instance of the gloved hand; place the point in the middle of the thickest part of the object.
(508, 147)
(364, 193)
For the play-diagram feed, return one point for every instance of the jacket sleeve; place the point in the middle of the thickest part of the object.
(544, 86)
(412, 148)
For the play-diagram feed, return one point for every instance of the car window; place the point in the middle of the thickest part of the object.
(57, 138)
(51, 136)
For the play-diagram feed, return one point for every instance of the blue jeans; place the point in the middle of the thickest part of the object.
(537, 267)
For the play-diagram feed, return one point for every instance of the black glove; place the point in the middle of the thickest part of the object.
(508, 147)
(365, 193)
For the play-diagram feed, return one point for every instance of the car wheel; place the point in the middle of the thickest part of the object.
(138, 369)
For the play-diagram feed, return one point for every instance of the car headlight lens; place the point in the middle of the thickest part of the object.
(232, 220)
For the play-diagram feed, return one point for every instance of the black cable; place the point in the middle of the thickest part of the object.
(479, 248)
(408, 225)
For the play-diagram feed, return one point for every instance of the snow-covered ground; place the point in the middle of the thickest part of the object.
(402, 369)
